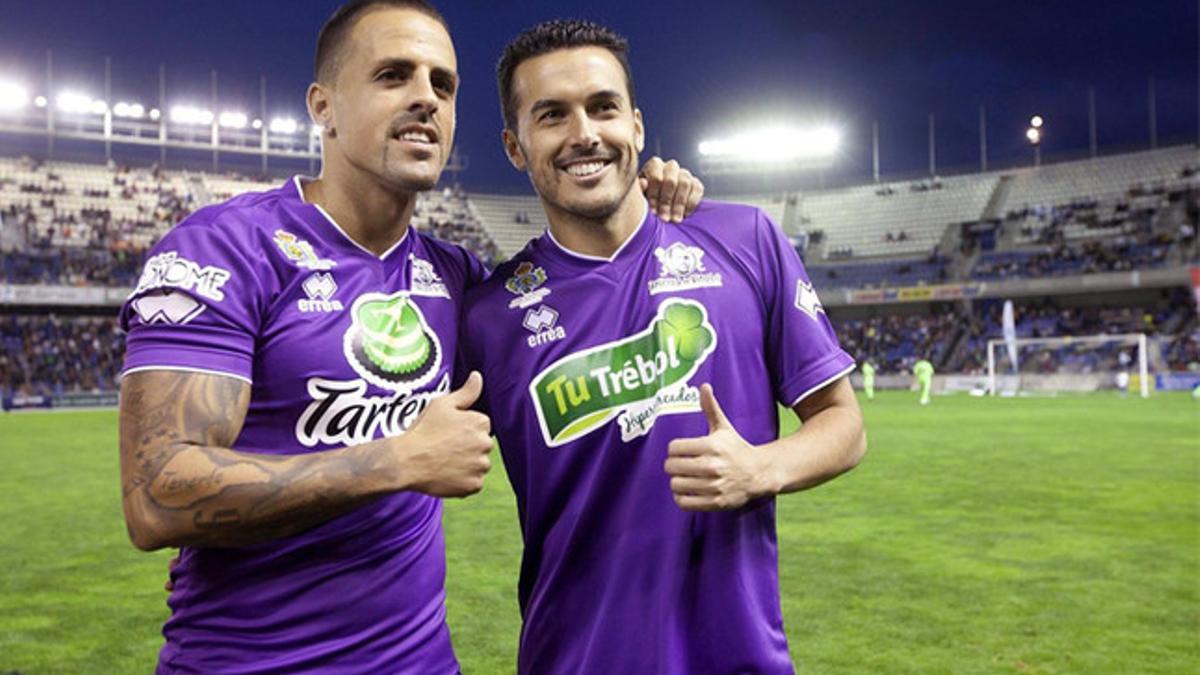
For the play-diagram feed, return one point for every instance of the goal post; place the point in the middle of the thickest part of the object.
(1078, 381)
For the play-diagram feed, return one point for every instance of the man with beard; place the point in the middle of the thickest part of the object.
(647, 508)
(286, 407)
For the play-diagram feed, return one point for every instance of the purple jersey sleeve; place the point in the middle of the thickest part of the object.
(801, 347)
(197, 303)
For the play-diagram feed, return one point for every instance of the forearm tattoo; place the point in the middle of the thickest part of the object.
(190, 488)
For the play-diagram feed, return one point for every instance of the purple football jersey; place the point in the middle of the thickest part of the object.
(340, 347)
(591, 367)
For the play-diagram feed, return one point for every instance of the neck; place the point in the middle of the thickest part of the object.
(374, 216)
(598, 237)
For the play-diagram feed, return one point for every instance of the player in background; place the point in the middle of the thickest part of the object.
(868, 379)
(923, 371)
(1122, 378)
(286, 407)
(646, 506)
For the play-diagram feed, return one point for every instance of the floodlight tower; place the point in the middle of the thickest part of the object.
(1034, 134)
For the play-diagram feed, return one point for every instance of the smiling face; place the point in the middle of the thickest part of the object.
(577, 134)
(388, 112)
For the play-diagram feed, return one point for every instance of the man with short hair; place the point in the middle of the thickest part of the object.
(646, 507)
(287, 415)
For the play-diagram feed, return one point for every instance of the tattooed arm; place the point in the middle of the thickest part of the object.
(183, 485)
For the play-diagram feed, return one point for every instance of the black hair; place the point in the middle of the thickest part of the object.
(550, 36)
(332, 38)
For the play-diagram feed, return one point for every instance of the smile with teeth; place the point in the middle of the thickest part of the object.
(583, 169)
(416, 137)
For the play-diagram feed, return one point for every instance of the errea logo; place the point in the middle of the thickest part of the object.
(319, 288)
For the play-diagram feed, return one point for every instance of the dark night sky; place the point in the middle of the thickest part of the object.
(701, 67)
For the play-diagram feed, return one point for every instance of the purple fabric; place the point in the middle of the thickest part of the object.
(341, 347)
(615, 577)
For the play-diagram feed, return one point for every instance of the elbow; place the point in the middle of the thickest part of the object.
(146, 532)
(857, 450)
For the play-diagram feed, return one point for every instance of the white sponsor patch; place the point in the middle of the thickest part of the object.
(300, 252)
(807, 300)
(169, 270)
(425, 281)
(682, 268)
(167, 306)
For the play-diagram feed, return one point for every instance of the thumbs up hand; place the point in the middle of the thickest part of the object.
(448, 445)
(717, 472)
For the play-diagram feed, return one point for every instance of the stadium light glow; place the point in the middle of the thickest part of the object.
(98, 107)
(256, 124)
(316, 130)
(233, 120)
(283, 125)
(129, 110)
(185, 114)
(40, 101)
(13, 96)
(77, 103)
(775, 144)
(1036, 122)
(155, 114)
(1034, 135)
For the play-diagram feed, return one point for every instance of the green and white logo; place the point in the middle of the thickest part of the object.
(389, 342)
(634, 379)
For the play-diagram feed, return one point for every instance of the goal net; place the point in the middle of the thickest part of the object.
(1069, 363)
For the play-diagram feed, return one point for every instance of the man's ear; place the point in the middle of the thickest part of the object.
(320, 107)
(512, 148)
(639, 130)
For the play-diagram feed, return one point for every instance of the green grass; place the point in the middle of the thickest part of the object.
(979, 536)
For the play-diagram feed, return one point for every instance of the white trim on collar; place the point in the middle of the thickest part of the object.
(597, 258)
(323, 212)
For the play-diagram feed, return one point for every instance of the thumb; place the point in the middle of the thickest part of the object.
(465, 396)
(712, 410)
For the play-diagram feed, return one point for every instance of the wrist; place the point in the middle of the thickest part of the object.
(768, 481)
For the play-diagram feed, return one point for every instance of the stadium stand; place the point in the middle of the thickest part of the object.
(88, 225)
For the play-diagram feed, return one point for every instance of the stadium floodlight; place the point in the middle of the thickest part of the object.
(256, 124)
(1036, 122)
(155, 114)
(233, 120)
(774, 145)
(1034, 135)
(98, 107)
(129, 110)
(186, 114)
(76, 103)
(284, 125)
(40, 101)
(13, 96)
(316, 130)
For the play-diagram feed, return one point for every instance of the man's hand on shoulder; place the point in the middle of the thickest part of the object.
(673, 192)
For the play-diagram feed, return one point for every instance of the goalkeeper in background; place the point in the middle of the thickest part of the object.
(923, 370)
(868, 379)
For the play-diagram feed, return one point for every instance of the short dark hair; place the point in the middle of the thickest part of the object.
(550, 36)
(332, 38)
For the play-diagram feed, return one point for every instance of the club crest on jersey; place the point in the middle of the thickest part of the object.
(634, 379)
(301, 252)
(390, 344)
(681, 267)
(319, 287)
(543, 323)
(425, 281)
(807, 300)
(525, 283)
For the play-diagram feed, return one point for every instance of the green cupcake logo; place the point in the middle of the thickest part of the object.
(389, 342)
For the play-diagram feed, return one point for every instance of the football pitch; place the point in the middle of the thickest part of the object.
(1049, 535)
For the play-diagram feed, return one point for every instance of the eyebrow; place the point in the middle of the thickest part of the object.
(605, 95)
(409, 64)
